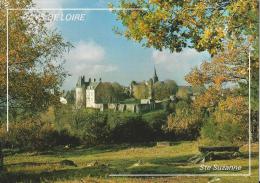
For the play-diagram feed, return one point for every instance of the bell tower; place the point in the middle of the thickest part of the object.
(81, 93)
(155, 77)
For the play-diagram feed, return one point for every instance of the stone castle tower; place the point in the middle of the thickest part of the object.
(86, 92)
(81, 92)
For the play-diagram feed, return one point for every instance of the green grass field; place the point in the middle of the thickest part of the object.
(96, 164)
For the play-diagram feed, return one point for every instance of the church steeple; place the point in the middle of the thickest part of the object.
(155, 77)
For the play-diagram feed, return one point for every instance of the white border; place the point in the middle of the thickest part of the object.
(124, 9)
(7, 70)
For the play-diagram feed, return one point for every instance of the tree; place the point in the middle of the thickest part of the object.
(141, 90)
(90, 126)
(119, 91)
(174, 25)
(128, 128)
(70, 96)
(164, 89)
(35, 61)
(214, 26)
(185, 121)
(35, 73)
(110, 92)
(228, 124)
(184, 93)
(225, 99)
(157, 121)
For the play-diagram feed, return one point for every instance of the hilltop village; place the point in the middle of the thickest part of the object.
(138, 97)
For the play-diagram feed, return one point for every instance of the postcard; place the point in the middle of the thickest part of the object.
(129, 91)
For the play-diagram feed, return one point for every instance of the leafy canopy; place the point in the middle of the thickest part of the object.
(174, 25)
(35, 60)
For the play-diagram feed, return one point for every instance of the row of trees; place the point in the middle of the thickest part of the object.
(94, 127)
(161, 89)
(86, 126)
(110, 92)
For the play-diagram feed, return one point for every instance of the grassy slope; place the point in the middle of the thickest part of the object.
(38, 167)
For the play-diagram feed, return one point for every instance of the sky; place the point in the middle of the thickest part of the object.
(99, 53)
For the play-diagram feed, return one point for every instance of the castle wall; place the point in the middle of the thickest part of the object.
(144, 107)
(99, 106)
(85, 98)
(122, 107)
(135, 108)
(80, 97)
(158, 106)
(90, 98)
(131, 107)
(113, 107)
(103, 107)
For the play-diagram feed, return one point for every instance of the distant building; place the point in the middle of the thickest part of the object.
(81, 92)
(86, 96)
(86, 93)
(89, 95)
(148, 85)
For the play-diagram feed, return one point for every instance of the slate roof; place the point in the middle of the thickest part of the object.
(93, 85)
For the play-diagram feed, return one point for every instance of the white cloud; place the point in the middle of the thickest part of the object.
(99, 69)
(87, 52)
(86, 58)
(177, 65)
(183, 58)
(91, 70)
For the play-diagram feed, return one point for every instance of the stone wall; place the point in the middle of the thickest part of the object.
(135, 108)
(113, 107)
(131, 107)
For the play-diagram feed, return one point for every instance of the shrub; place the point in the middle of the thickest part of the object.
(128, 128)
(49, 137)
(184, 93)
(90, 126)
(157, 121)
(164, 89)
(185, 123)
(33, 134)
(228, 124)
(63, 117)
(213, 133)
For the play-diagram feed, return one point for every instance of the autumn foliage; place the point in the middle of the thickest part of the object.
(35, 60)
